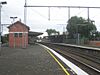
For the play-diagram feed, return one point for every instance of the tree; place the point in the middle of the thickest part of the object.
(78, 25)
(4, 39)
(52, 31)
(95, 35)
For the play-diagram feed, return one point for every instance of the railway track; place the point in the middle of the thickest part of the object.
(86, 60)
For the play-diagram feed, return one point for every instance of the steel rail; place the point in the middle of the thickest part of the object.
(73, 58)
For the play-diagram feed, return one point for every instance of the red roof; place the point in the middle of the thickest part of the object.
(19, 23)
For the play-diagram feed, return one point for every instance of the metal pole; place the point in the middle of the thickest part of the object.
(88, 20)
(78, 38)
(88, 14)
(0, 25)
(25, 12)
(68, 13)
(25, 21)
(49, 13)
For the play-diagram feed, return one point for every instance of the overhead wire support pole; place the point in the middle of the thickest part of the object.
(1, 3)
(68, 13)
(25, 12)
(25, 22)
(88, 14)
(0, 25)
(88, 19)
(49, 13)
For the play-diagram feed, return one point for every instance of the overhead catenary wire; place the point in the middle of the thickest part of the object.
(81, 11)
(39, 14)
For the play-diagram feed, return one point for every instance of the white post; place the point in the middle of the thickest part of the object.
(78, 39)
(0, 25)
(25, 12)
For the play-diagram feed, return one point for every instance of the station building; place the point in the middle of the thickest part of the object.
(18, 35)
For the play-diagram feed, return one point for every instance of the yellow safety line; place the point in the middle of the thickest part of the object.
(58, 62)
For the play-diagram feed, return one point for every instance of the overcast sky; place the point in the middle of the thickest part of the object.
(37, 18)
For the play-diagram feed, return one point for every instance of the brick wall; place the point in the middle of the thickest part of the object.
(18, 35)
(94, 43)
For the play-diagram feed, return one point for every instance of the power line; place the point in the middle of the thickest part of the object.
(81, 12)
(39, 13)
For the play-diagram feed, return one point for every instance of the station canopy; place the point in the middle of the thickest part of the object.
(31, 33)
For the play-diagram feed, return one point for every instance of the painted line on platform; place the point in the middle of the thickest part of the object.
(66, 72)
(76, 69)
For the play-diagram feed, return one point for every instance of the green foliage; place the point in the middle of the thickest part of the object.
(52, 31)
(4, 39)
(95, 35)
(78, 25)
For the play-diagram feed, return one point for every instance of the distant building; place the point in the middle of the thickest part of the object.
(55, 38)
(18, 35)
(32, 37)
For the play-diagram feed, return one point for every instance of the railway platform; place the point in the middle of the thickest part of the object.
(34, 60)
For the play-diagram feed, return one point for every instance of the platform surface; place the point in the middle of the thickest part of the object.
(34, 60)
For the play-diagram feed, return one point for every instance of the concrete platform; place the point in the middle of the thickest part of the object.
(34, 60)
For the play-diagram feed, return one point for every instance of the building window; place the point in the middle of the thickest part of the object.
(20, 34)
(15, 34)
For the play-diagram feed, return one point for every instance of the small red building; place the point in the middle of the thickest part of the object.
(18, 35)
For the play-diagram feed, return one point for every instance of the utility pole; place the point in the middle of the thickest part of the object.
(88, 20)
(64, 32)
(68, 13)
(25, 21)
(25, 12)
(49, 13)
(88, 14)
(64, 29)
(1, 3)
(0, 26)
